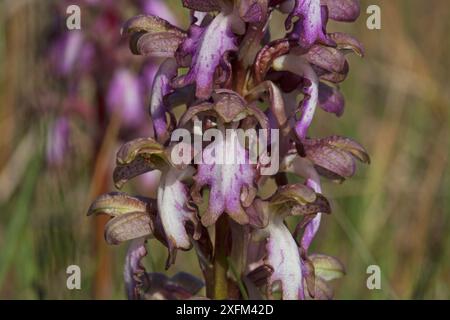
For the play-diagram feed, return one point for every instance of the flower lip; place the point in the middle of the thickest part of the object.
(309, 27)
(231, 185)
(208, 46)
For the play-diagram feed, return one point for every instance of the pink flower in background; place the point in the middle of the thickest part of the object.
(125, 97)
(58, 141)
(95, 55)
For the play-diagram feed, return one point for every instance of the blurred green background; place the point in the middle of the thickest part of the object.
(393, 213)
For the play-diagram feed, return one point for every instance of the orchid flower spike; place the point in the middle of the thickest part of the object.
(235, 81)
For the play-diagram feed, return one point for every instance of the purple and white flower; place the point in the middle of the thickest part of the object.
(231, 75)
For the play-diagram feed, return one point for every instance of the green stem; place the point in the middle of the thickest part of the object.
(19, 217)
(238, 279)
(220, 290)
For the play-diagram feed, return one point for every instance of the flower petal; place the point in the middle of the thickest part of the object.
(158, 45)
(351, 146)
(128, 226)
(123, 173)
(228, 105)
(284, 258)
(309, 27)
(119, 203)
(227, 179)
(191, 112)
(134, 269)
(308, 105)
(211, 45)
(332, 76)
(158, 106)
(137, 157)
(329, 59)
(345, 41)
(326, 267)
(146, 147)
(174, 211)
(332, 159)
(153, 36)
(298, 193)
(331, 99)
(342, 10)
(335, 154)
(253, 11)
(267, 55)
(298, 199)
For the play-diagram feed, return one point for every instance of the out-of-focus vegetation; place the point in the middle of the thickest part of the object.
(394, 213)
